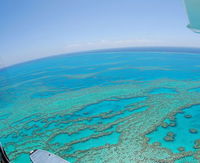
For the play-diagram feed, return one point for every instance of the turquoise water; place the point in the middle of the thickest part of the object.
(103, 106)
(183, 136)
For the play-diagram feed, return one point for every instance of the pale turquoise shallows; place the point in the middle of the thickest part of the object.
(119, 105)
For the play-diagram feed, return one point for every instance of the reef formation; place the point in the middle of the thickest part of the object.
(118, 119)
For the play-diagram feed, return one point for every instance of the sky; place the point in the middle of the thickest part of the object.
(31, 29)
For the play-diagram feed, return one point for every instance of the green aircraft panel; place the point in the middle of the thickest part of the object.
(193, 10)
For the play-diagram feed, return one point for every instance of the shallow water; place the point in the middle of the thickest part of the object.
(104, 106)
(183, 136)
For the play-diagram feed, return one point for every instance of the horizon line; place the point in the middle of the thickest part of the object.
(148, 48)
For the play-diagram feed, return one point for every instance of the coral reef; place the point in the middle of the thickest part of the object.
(197, 144)
(170, 136)
(85, 113)
(193, 131)
(164, 125)
(188, 116)
(181, 149)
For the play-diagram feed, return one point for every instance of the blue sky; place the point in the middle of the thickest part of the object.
(33, 29)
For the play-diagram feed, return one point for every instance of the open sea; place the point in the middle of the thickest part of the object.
(139, 105)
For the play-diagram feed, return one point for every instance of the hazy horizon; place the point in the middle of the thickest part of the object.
(155, 49)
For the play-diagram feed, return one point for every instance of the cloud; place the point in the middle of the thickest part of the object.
(110, 44)
(93, 45)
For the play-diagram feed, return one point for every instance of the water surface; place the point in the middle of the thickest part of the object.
(104, 106)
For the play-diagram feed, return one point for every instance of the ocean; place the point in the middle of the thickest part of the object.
(114, 105)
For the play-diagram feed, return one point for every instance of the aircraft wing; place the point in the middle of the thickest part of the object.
(193, 10)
